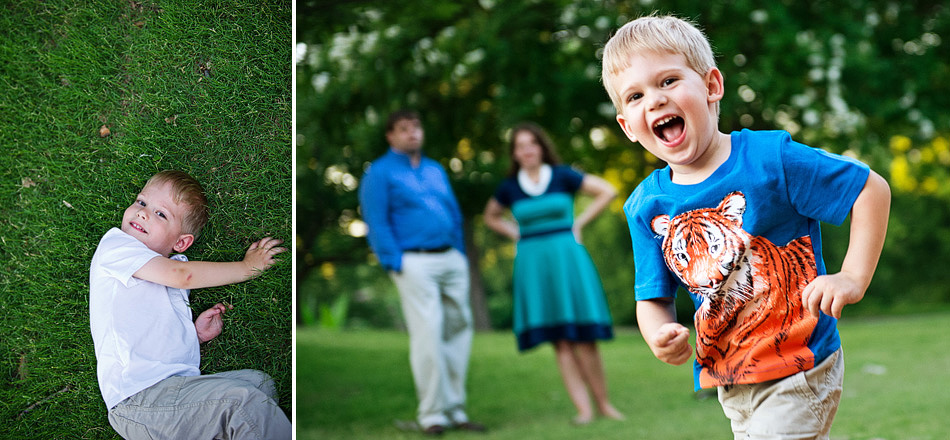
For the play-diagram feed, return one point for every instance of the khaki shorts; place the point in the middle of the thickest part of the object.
(231, 405)
(800, 406)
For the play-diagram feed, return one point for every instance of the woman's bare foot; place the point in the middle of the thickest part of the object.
(580, 420)
(610, 412)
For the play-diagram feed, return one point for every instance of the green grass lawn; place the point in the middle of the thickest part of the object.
(201, 86)
(354, 384)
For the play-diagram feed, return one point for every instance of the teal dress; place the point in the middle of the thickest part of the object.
(557, 291)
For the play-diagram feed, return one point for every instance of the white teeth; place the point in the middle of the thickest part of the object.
(663, 121)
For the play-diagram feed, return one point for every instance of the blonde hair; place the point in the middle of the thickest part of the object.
(187, 191)
(658, 34)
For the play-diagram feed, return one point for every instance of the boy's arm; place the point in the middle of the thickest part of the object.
(668, 339)
(830, 293)
(199, 274)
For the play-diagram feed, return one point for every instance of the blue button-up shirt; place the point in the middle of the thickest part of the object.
(408, 208)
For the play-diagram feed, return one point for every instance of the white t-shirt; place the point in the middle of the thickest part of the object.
(143, 332)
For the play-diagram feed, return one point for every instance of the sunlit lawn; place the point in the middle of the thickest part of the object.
(356, 384)
(200, 86)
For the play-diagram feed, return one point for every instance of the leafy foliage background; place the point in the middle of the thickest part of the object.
(865, 78)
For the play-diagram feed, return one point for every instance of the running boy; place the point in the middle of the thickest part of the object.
(146, 343)
(734, 219)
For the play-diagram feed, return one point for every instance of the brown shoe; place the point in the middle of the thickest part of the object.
(434, 430)
(470, 427)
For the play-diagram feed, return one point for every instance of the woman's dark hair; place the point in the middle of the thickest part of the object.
(548, 153)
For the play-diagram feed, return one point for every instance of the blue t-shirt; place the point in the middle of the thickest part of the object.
(744, 243)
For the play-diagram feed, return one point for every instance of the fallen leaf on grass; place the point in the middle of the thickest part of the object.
(104, 131)
(22, 371)
(27, 182)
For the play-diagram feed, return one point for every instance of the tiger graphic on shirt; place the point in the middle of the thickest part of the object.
(751, 325)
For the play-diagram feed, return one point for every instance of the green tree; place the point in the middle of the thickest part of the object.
(851, 78)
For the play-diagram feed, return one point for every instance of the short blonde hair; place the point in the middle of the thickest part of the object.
(657, 34)
(189, 192)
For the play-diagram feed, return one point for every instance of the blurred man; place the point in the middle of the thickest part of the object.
(415, 229)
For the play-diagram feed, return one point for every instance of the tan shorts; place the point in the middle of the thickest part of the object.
(800, 406)
(232, 404)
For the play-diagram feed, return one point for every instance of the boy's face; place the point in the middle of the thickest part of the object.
(156, 220)
(406, 136)
(669, 108)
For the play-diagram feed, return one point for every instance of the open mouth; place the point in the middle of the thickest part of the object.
(668, 128)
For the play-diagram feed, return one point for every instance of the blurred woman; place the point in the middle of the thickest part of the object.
(558, 296)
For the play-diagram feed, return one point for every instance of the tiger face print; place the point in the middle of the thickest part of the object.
(751, 325)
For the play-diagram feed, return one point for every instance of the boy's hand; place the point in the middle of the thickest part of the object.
(670, 343)
(830, 293)
(209, 324)
(260, 255)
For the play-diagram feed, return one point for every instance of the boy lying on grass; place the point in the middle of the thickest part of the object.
(146, 343)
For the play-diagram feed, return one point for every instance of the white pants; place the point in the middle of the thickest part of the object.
(434, 291)
(800, 406)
